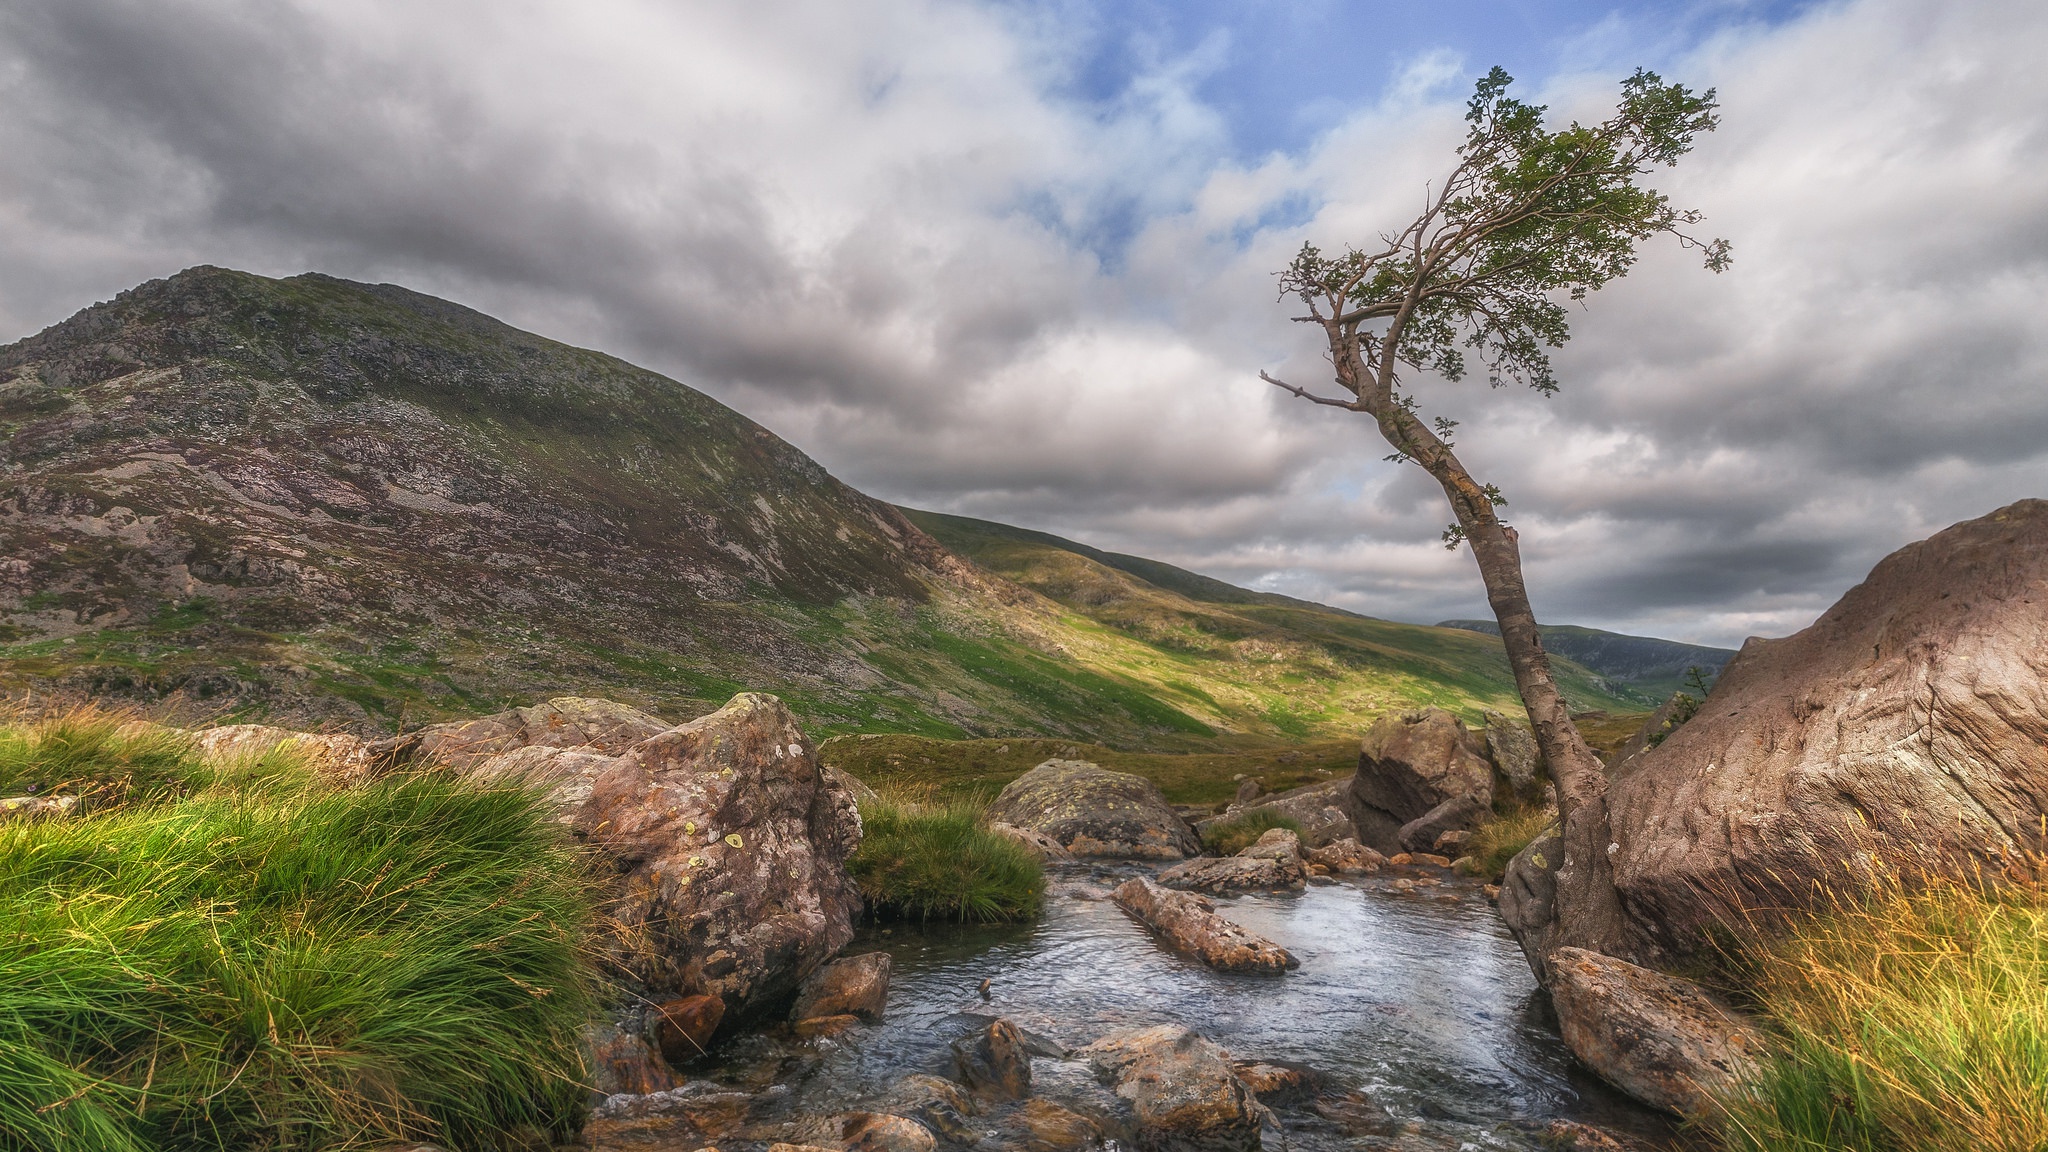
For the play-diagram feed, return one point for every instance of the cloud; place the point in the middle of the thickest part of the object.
(897, 233)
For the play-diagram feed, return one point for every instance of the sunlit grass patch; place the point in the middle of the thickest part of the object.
(936, 860)
(1233, 836)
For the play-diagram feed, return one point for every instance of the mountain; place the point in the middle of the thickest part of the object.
(355, 505)
(1648, 667)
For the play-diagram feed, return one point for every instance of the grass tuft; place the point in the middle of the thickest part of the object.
(250, 960)
(1915, 1022)
(1234, 836)
(937, 860)
(1495, 842)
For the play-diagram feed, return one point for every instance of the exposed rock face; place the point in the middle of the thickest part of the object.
(1660, 1039)
(336, 756)
(1459, 814)
(1318, 808)
(568, 774)
(1347, 856)
(683, 1027)
(854, 986)
(1190, 925)
(994, 1062)
(1042, 846)
(1092, 811)
(1274, 864)
(599, 726)
(1409, 764)
(730, 848)
(621, 1062)
(1512, 748)
(1182, 1088)
(1528, 898)
(1910, 721)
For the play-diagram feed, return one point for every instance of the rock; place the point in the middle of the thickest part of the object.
(1429, 858)
(1448, 843)
(1528, 898)
(1571, 1136)
(847, 782)
(1091, 811)
(1909, 723)
(683, 1027)
(1248, 791)
(800, 1148)
(1347, 856)
(1458, 814)
(1042, 846)
(825, 1027)
(1355, 1114)
(1047, 1126)
(881, 1132)
(938, 1104)
(336, 756)
(849, 986)
(1320, 809)
(730, 849)
(1280, 1083)
(994, 1062)
(566, 774)
(1273, 864)
(1516, 759)
(1658, 1038)
(1400, 859)
(599, 726)
(675, 1117)
(621, 1062)
(1181, 1087)
(1190, 925)
(1408, 765)
(37, 807)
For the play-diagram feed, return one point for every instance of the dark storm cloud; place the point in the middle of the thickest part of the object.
(880, 230)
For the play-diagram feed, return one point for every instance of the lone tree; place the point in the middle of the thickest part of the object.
(1527, 220)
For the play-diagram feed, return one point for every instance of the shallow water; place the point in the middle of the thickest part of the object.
(1422, 1000)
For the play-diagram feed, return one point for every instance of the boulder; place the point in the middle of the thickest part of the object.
(1091, 811)
(622, 1062)
(1458, 814)
(683, 1027)
(1408, 764)
(601, 726)
(938, 1104)
(994, 1062)
(1182, 1089)
(1280, 1083)
(1347, 856)
(567, 775)
(1248, 791)
(1658, 1038)
(1517, 761)
(729, 848)
(1273, 864)
(334, 756)
(1908, 724)
(1528, 898)
(1040, 845)
(1320, 809)
(851, 986)
(881, 1132)
(690, 1115)
(1047, 1126)
(1190, 925)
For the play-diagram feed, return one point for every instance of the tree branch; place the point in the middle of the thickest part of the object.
(1305, 394)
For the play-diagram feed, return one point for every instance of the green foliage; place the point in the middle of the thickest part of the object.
(266, 964)
(1496, 842)
(938, 861)
(1684, 706)
(99, 758)
(1916, 1022)
(1234, 836)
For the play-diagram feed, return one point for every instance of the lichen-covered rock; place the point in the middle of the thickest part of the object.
(621, 1062)
(994, 1062)
(1347, 857)
(1458, 814)
(1320, 809)
(1190, 925)
(1273, 864)
(335, 756)
(730, 851)
(1039, 844)
(850, 986)
(1658, 1038)
(1408, 764)
(1092, 811)
(1516, 758)
(1908, 723)
(1181, 1087)
(600, 726)
(1528, 898)
(37, 807)
(566, 774)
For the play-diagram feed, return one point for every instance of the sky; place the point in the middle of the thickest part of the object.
(1015, 259)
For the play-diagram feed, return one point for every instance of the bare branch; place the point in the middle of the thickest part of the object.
(1305, 394)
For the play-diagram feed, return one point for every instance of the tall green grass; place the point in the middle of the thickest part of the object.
(1917, 1022)
(937, 860)
(1496, 842)
(1234, 836)
(266, 964)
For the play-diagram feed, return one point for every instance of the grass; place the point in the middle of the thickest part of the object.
(937, 860)
(1234, 836)
(1916, 1022)
(246, 960)
(1495, 842)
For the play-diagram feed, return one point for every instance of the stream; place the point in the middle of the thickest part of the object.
(1418, 1000)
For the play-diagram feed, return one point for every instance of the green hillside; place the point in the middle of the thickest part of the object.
(1649, 668)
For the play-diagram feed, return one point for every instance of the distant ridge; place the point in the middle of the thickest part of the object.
(1650, 666)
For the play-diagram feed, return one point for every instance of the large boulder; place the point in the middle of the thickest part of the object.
(1320, 809)
(1658, 1038)
(600, 726)
(1454, 817)
(1190, 926)
(1092, 811)
(852, 986)
(1517, 761)
(730, 850)
(1909, 724)
(1186, 1095)
(335, 756)
(1408, 764)
(1528, 898)
(1274, 864)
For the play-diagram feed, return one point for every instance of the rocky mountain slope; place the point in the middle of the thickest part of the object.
(1643, 666)
(355, 505)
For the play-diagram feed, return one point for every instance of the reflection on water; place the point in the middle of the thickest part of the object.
(1422, 1000)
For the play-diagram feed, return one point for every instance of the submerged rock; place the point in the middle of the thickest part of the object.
(850, 986)
(1658, 1038)
(1190, 925)
(1273, 864)
(994, 1062)
(882, 1132)
(1049, 1126)
(1409, 764)
(1091, 811)
(1182, 1089)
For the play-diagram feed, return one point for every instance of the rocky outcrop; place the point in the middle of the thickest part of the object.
(599, 726)
(1320, 809)
(1038, 844)
(1517, 762)
(1346, 857)
(730, 848)
(1528, 898)
(683, 1027)
(854, 986)
(1182, 1089)
(1273, 864)
(1190, 925)
(1459, 814)
(1408, 765)
(335, 756)
(1091, 811)
(1658, 1038)
(1909, 723)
